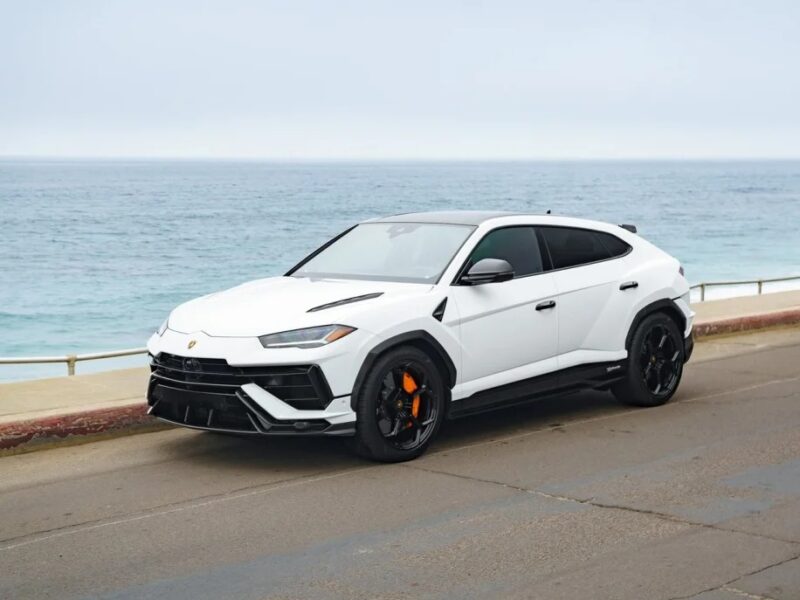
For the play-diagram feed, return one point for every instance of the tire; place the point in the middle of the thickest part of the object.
(387, 427)
(655, 363)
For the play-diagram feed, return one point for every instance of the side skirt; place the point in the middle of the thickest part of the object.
(572, 379)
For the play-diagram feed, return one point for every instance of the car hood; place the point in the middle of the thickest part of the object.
(281, 304)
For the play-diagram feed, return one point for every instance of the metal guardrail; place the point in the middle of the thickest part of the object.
(70, 359)
(760, 282)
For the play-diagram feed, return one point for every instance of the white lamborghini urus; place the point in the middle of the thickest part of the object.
(400, 323)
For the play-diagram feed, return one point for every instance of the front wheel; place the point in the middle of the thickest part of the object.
(655, 363)
(400, 406)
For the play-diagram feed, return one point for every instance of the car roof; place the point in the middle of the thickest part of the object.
(450, 217)
(479, 217)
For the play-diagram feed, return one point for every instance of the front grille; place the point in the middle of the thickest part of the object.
(304, 387)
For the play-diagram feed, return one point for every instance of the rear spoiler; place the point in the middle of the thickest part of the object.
(631, 228)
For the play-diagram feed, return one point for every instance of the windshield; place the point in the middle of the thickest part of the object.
(406, 252)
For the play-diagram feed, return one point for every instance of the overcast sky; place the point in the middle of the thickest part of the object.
(400, 79)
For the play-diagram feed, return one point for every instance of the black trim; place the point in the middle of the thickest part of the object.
(410, 337)
(231, 413)
(345, 301)
(590, 376)
(438, 312)
(663, 305)
(544, 251)
(318, 250)
(300, 386)
(594, 262)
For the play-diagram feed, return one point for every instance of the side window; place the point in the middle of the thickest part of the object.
(517, 245)
(572, 247)
(613, 244)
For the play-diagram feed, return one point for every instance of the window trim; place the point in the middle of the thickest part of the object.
(540, 242)
(594, 262)
(543, 244)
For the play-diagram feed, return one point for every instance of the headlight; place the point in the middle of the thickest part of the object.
(311, 337)
(163, 327)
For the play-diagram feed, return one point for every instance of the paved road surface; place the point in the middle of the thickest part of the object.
(575, 498)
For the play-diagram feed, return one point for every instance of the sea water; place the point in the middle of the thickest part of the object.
(94, 254)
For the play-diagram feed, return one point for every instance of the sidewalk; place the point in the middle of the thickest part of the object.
(64, 408)
(750, 312)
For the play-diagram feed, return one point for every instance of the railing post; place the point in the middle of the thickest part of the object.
(760, 286)
(71, 360)
(702, 292)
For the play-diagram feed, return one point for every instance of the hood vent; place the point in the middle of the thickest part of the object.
(345, 301)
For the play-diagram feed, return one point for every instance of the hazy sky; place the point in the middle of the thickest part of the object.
(400, 79)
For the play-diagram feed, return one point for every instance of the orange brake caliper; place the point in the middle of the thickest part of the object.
(410, 387)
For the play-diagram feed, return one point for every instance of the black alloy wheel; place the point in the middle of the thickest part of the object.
(406, 411)
(655, 363)
(660, 361)
(400, 406)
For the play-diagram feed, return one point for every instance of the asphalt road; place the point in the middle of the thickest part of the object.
(572, 498)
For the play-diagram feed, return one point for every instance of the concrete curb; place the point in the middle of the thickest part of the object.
(87, 426)
(747, 323)
(76, 427)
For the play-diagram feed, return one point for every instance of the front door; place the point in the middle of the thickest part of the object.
(509, 329)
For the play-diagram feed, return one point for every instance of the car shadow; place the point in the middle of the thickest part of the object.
(308, 455)
(548, 413)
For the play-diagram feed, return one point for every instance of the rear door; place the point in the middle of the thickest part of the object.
(588, 266)
(504, 336)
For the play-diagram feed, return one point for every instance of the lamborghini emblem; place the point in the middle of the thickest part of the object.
(192, 344)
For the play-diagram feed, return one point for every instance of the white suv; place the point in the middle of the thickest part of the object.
(401, 322)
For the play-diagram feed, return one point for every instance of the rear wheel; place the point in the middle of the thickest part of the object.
(655, 363)
(400, 406)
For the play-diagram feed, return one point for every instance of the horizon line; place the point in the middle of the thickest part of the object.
(354, 159)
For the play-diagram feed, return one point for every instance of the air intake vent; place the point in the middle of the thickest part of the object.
(345, 301)
(438, 313)
(304, 386)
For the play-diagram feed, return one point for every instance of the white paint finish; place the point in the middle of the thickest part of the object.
(501, 328)
(339, 408)
(591, 306)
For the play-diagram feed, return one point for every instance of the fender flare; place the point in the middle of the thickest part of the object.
(664, 305)
(418, 337)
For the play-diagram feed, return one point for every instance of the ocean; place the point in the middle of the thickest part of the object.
(95, 253)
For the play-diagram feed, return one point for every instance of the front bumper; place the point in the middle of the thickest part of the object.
(235, 385)
(207, 393)
(231, 413)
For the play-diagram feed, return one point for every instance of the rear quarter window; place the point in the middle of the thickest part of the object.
(614, 245)
(571, 247)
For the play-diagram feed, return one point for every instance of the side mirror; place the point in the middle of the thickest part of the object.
(488, 270)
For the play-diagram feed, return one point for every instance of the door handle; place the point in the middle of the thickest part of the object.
(545, 305)
(629, 285)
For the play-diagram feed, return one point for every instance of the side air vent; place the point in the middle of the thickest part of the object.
(345, 301)
(438, 312)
